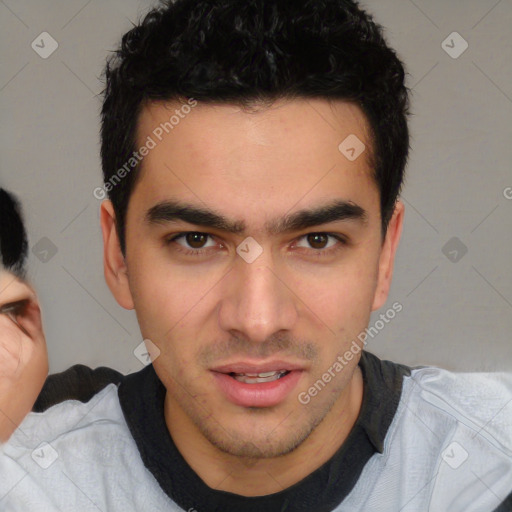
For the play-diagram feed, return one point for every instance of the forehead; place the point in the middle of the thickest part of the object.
(299, 124)
(266, 160)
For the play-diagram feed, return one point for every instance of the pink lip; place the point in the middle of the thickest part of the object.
(246, 367)
(264, 394)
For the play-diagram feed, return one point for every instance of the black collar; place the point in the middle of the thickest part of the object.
(141, 396)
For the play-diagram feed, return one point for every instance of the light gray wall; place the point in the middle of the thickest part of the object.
(455, 314)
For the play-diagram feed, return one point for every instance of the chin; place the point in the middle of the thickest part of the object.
(258, 438)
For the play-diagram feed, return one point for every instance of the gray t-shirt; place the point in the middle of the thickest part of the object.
(426, 440)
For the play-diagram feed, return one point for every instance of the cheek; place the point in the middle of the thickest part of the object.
(153, 297)
(169, 307)
(340, 296)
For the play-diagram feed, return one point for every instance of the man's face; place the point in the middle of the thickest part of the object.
(297, 306)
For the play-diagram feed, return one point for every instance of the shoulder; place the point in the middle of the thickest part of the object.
(453, 432)
(69, 400)
(71, 418)
(75, 448)
(479, 401)
(79, 382)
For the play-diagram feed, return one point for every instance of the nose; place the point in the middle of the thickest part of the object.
(257, 301)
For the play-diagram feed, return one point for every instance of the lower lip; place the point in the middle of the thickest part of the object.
(261, 394)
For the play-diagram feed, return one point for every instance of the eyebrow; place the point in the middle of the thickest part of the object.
(175, 211)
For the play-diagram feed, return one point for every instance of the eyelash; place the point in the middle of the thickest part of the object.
(318, 253)
(14, 308)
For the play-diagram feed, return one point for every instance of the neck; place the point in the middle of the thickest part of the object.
(260, 477)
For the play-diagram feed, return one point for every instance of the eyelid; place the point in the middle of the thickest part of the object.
(340, 238)
(183, 234)
(15, 307)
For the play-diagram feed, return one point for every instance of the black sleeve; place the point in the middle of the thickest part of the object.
(78, 382)
(506, 506)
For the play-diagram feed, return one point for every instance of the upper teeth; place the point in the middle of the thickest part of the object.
(255, 378)
(261, 375)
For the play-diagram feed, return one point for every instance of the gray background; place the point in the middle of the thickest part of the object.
(456, 314)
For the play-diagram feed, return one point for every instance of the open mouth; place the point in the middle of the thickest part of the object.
(257, 378)
(250, 388)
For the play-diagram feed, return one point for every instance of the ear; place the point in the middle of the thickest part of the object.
(387, 256)
(114, 265)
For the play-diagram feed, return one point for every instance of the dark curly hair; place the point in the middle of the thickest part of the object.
(255, 52)
(13, 237)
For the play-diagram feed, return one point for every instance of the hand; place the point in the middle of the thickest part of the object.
(23, 354)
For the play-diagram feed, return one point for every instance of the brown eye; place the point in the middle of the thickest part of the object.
(318, 240)
(196, 240)
(322, 244)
